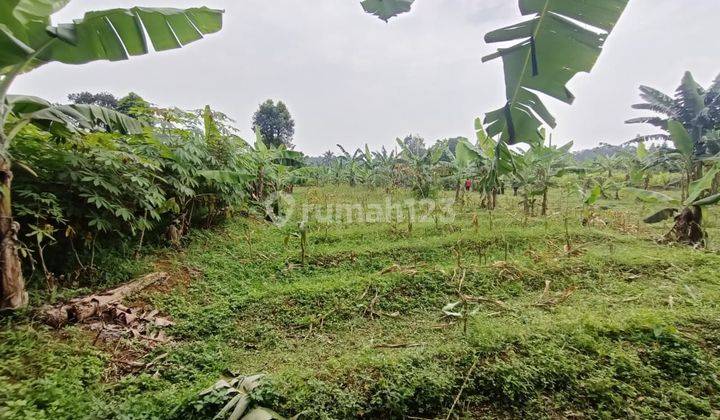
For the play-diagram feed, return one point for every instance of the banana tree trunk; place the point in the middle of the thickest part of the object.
(688, 227)
(12, 286)
(544, 202)
(261, 184)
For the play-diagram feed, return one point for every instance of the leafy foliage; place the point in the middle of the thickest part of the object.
(28, 35)
(103, 99)
(386, 9)
(274, 123)
(690, 119)
(552, 49)
(91, 191)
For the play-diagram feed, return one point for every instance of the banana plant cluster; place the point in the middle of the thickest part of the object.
(418, 168)
(688, 213)
(539, 168)
(362, 167)
(628, 168)
(690, 120)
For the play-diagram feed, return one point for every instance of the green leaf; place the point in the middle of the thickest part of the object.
(386, 9)
(661, 216)
(262, 413)
(681, 138)
(111, 35)
(259, 141)
(466, 154)
(212, 133)
(570, 170)
(435, 155)
(485, 143)
(504, 159)
(552, 49)
(224, 177)
(289, 158)
(652, 197)
(707, 201)
(594, 195)
(65, 120)
(701, 185)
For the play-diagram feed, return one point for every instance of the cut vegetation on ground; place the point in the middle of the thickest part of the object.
(615, 326)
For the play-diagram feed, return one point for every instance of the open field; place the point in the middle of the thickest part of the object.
(415, 240)
(619, 326)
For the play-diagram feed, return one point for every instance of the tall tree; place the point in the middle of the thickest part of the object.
(104, 99)
(28, 39)
(133, 105)
(327, 158)
(415, 143)
(274, 123)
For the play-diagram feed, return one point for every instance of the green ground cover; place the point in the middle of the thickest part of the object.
(619, 326)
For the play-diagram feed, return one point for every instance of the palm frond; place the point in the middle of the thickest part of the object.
(689, 98)
(656, 121)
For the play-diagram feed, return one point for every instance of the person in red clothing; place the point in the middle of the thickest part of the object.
(468, 185)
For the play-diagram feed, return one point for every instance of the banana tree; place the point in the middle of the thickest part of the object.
(494, 161)
(538, 169)
(683, 156)
(688, 220)
(695, 195)
(601, 172)
(352, 165)
(690, 120)
(269, 165)
(29, 39)
(378, 166)
(421, 164)
(487, 162)
(463, 164)
(696, 108)
(606, 164)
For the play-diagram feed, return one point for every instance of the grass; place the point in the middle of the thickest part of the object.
(358, 330)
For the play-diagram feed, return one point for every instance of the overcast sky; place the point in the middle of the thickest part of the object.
(350, 78)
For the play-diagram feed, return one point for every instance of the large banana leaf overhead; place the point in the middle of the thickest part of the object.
(66, 120)
(385, 9)
(563, 38)
(28, 38)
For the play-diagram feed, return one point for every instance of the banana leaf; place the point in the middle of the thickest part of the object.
(561, 39)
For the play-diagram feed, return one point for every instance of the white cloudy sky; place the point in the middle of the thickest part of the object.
(350, 78)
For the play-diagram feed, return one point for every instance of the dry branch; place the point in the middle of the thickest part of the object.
(550, 302)
(97, 305)
(398, 346)
(479, 299)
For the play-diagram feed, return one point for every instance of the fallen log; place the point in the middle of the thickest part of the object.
(95, 306)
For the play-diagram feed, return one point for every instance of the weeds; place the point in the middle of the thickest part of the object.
(357, 332)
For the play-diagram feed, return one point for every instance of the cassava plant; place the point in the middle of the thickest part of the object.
(28, 39)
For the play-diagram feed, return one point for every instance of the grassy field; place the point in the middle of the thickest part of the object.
(614, 326)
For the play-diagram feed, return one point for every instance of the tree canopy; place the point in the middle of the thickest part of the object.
(104, 99)
(133, 105)
(275, 123)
